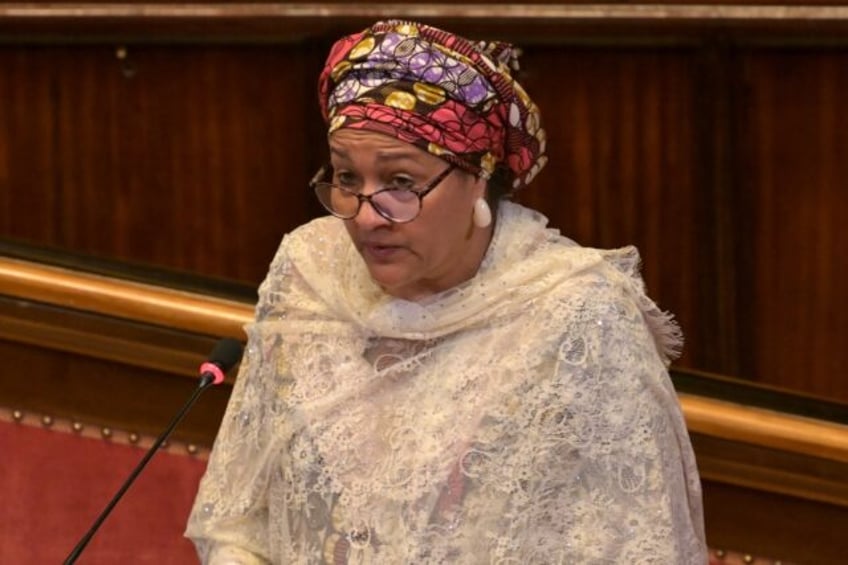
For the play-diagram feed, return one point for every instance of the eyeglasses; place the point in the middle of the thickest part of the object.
(395, 204)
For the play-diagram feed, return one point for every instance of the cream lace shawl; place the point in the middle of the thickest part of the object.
(525, 416)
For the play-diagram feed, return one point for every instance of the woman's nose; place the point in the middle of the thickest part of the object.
(368, 216)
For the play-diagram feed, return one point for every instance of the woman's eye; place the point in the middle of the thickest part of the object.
(401, 183)
(345, 179)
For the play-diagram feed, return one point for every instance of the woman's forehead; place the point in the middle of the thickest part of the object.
(353, 144)
(350, 136)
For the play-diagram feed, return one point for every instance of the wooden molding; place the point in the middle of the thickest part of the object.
(757, 426)
(102, 337)
(113, 297)
(146, 304)
(507, 12)
(175, 446)
(283, 21)
(735, 465)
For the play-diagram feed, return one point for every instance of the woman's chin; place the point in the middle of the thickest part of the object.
(392, 282)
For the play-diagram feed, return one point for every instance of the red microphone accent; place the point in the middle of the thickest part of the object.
(215, 370)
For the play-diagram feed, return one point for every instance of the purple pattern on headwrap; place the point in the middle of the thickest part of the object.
(438, 91)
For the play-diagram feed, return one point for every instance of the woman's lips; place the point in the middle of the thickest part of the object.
(381, 252)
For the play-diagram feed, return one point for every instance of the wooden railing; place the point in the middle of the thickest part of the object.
(749, 455)
(196, 313)
(114, 297)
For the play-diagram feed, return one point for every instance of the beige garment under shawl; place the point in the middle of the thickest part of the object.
(523, 417)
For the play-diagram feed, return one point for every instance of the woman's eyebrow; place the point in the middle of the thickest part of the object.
(396, 155)
(381, 155)
(341, 152)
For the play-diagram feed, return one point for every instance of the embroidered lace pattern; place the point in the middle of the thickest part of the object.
(523, 417)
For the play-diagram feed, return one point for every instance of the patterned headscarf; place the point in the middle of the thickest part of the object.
(438, 91)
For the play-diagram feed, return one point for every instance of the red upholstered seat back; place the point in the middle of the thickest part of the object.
(54, 484)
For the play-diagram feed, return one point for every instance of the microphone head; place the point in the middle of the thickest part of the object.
(226, 353)
(224, 356)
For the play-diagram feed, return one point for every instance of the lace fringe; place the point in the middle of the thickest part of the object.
(664, 328)
(666, 331)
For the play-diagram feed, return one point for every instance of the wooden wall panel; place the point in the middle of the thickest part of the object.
(193, 158)
(725, 173)
(787, 529)
(102, 393)
(196, 158)
(791, 206)
(622, 137)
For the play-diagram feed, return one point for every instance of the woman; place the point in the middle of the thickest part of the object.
(438, 377)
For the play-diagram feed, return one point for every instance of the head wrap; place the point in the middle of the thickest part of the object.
(438, 91)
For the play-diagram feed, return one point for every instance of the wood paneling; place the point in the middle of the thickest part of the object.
(762, 523)
(790, 209)
(721, 158)
(623, 138)
(189, 158)
(104, 393)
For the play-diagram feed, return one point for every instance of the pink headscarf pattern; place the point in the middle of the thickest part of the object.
(438, 91)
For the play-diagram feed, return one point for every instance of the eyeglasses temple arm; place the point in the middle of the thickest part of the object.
(322, 172)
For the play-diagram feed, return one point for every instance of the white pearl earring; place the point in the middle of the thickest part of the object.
(482, 213)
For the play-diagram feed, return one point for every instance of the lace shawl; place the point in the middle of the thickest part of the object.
(525, 416)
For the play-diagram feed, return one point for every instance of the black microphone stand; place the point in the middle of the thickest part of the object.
(205, 382)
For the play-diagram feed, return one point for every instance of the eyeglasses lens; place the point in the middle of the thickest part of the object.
(397, 205)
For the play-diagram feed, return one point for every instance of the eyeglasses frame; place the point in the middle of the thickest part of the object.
(426, 189)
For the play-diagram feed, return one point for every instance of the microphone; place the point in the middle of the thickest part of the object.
(224, 356)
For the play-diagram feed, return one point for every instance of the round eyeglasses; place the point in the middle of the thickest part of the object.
(394, 204)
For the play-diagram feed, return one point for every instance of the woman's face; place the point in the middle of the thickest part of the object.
(439, 249)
